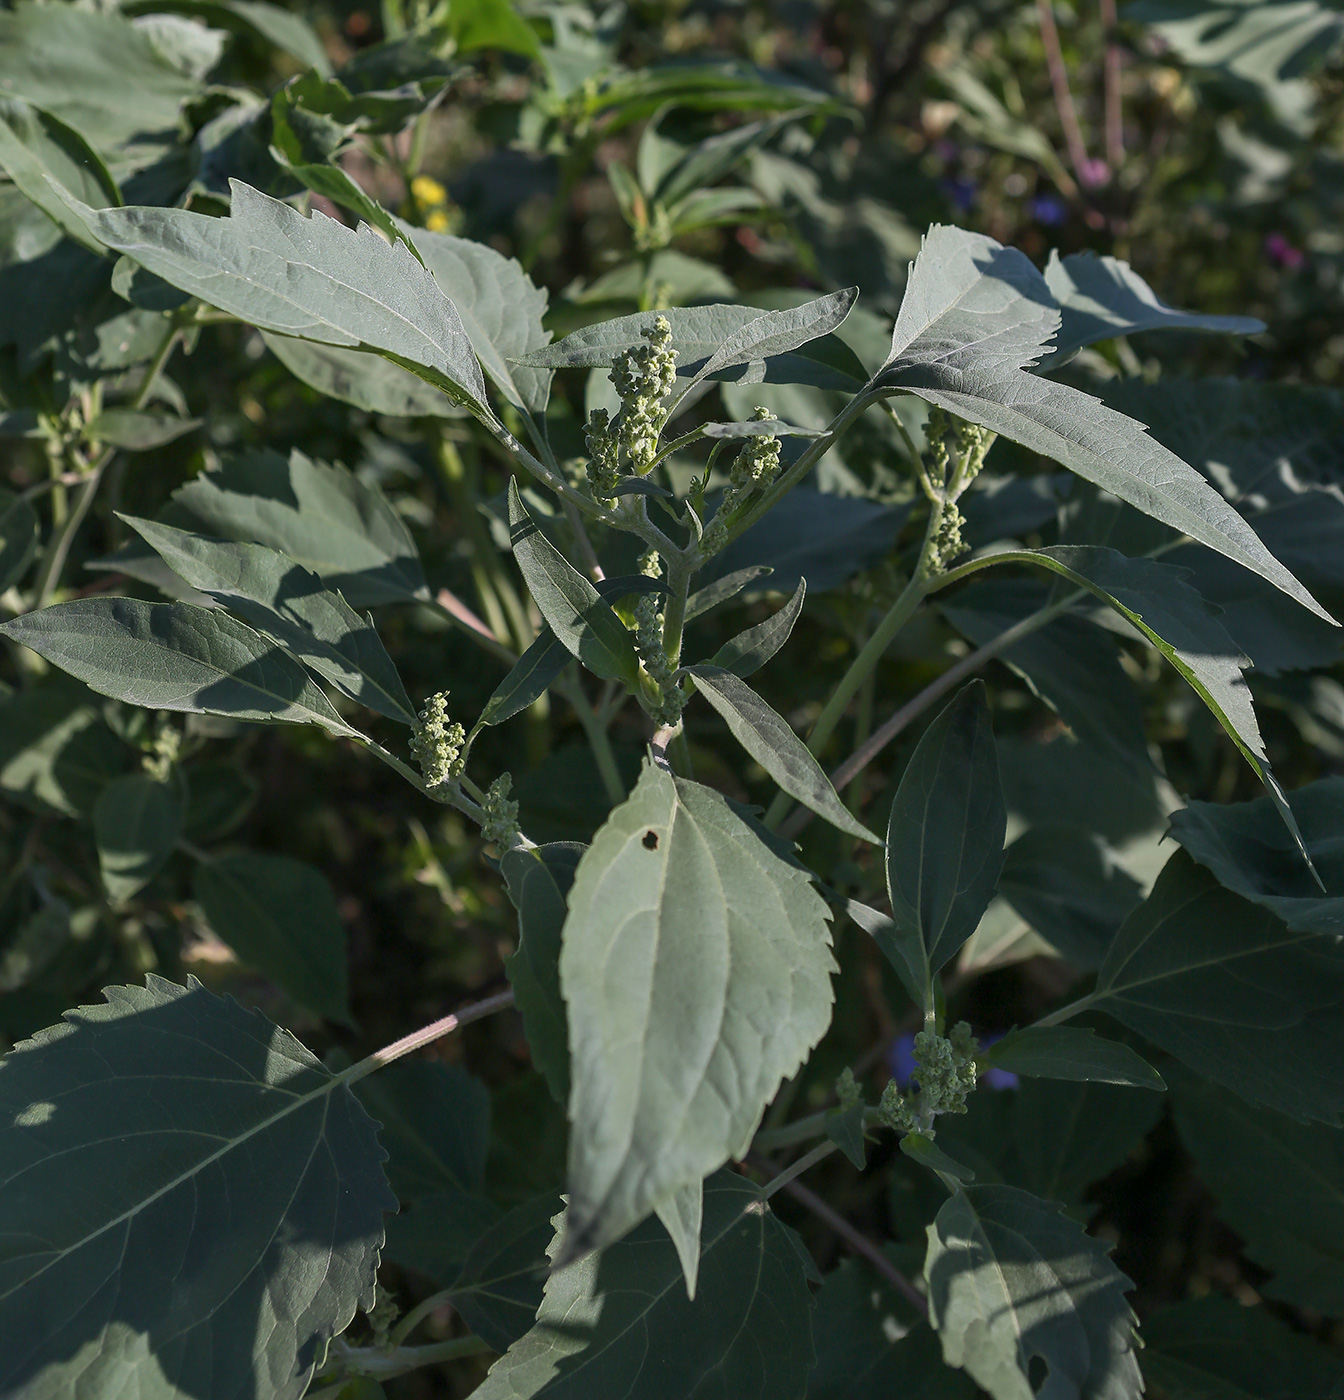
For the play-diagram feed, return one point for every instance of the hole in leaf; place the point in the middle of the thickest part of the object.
(650, 842)
(1038, 1371)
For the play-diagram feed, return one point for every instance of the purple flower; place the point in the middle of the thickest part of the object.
(961, 191)
(901, 1059)
(1094, 173)
(1279, 250)
(1048, 209)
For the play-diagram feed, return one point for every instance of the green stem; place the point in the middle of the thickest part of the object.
(426, 1035)
(595, 730)
(804, 1163)
(801, 1130)
(1068, 1012)
(383, 1364)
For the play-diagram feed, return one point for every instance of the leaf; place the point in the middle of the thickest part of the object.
(37, 148)
(682, 1216)
(136, 823)
(361, 378)
(307, 277)
(1177, 621)
(287, 602)
(576, 611)
(19, 531)
(746, 653)
(538, 882)
(845, 1130)
(757, 427)
(927, 1153)
(434, 1121)
(1214, 1348)
(534, 671)
(323, 517)
(138, 430)
(621, 1322)
(499, 1288)
(945, 837)
(1071, 1052)
(1278, 1184)
(768, 739)
(132, 1133)
(1102, 297)
(901, 945)
(974, 315)
(174, 656)
(722, 590)
(1012, 1279)
(435, 1235)
(695, 967)
(279, 915)
(56, 751)
(1223, 985)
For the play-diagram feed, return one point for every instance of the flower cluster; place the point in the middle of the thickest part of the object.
(500, 828)
(945, 1074)
(604, 456)
(649, 644)
(432, 199)
(163, 753)
(644, 376)
(756, 466)
(438, 743)
(848, 1089)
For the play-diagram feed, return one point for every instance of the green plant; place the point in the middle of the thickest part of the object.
(195, 1200)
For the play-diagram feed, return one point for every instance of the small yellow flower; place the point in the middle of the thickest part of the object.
(437, 221)
(428, 191)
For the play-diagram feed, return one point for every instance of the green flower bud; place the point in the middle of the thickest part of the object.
(604, 452)
(437, 743)
(501, 814)
(895, 1109)
(848, 1090)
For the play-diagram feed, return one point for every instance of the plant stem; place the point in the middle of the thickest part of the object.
(595, 731)
(807, 1161)
(426, 1035)
(1069, 1011)
(384, 1363)
(1112, 97)
(1059, 83)
(801, 1130)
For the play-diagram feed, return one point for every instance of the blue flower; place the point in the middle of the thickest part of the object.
(960, 191)
(1048, 209)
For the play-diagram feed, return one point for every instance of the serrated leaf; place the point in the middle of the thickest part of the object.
(279, 915)
(362, 378)
(534, 671)
(499, 1288)
(1102, 297)
(307, 277)
(132, 1133)
(1012, 1279)
(975, 315)
(1296, 1229)
(746, 653)
(1223, 985)
(19, 531)
(696, 971)
(136, 823)
(1071, 1052)
(323, 517)
(175, 656)
(576, 611)
(768, 739)
(283, 599)
(1178, 622)
(945, 837)
(538, 882)
(138, 429)
(621, 1320)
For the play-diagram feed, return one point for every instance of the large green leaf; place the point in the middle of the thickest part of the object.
(1012, 1281)
(767, 737)
(137, 821)
(175, 656)
(312, 278)
(1071, 1052)
(56, 750)
(1224, 986)
(576, 611)
(362, 378)
(945, 837)
(499, 1288)
(279, 915)
(1279, 1185)
(975, 314)
(620, 1322)
(322, 516)
(696, 971)
(192, 1205)
(289, 603)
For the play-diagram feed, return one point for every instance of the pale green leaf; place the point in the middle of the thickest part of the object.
(138, 429)
(1012, 1280)
(746, 653)
(768, 739)
(682, 1215)
(137, 821)
(134, 1134)
(362, 378)
(281, 598)
(280, 916)
(757, 427)
(174, 656)
(696, 972)
(1070, 1052)
(620, 1321)
(1223, 985)
(975, 315)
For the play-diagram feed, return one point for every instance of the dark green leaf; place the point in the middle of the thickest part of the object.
(845, 1130)
(746, 653)
(696, 971)
(574, 608)
(499, 1288)
(769, 740)
(1279, 1185)
(1071, 1052)
(173, 656)
(137, 429)
(1224, 985)
(19, 532)
(136, 822)
(133, 1134)
(975, 314)
(56, 753)
(279, 915)
(538, 882)
(535, 670)
(435, 1235)
(621, 1321)
(928, 1154)
(945, 838)
(1011, 1280)
(284, 600)
(900, 943)
(722, 589)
